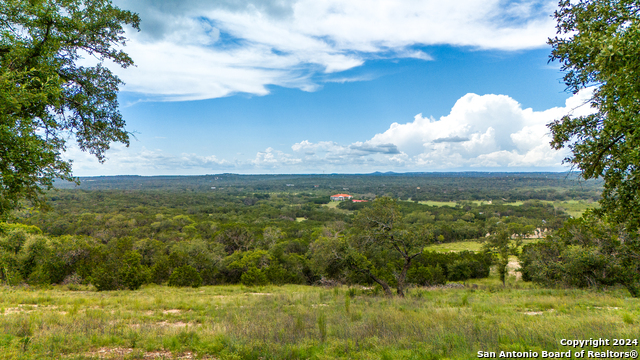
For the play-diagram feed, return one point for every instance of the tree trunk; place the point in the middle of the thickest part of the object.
(403, 277)
(633, 289)
(385, 286)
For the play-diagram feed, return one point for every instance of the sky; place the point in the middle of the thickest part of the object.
(335, 86)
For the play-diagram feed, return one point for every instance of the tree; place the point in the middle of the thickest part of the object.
(384, 236)
(597, 46)
(46, 97)
(502, 245)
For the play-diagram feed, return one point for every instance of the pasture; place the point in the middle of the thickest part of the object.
(306, 322)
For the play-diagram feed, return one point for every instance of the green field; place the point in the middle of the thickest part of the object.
(464, 245)
(574, 208)
(304, 322)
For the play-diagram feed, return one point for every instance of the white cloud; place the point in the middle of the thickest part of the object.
(126, 161)
(480, 132)
(195, 49)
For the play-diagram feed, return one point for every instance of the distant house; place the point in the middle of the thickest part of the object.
(340, 197)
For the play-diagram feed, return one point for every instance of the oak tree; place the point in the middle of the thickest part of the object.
(597, 45)
(383, 235)
(46, 96)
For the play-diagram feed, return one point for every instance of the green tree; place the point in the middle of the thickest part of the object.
(46, 97)
(383, 235)
(502, 245)
(597, 46)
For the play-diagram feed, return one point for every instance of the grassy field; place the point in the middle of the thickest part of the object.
(464, 245)
(574, 208)
(303, 322)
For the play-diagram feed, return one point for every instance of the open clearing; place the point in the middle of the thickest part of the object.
(574, 208)
(299, 322)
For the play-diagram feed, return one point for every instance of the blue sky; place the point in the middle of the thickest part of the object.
(302, 86)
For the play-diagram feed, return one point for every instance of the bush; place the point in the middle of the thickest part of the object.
(185, 276)
(460, 270)
(254, 277)
(132, 274)
(9, 270)
(276, 274)
(427, 275)
(456, 266)
(161, 270)
(104, 278)
(125, 274)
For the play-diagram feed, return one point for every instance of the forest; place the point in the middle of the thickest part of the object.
(123, 232)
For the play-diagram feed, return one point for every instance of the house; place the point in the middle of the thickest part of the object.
(340, 197)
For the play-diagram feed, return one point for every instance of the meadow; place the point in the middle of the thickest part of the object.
(250, 226)
(307, 322)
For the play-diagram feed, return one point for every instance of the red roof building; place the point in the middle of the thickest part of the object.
(340, 197)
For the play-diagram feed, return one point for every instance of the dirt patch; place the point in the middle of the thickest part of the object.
(178, 324)
(122, 353)
(14, 310)
(26, 308)
(263, 294)
(512, 267)
(531, 313)
(171, 311)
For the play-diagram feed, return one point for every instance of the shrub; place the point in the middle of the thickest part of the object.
(276, 274)
(254, 277)
(127, 273)
(161, 270)
(185, 276)
(460, 270)
(132, 274)
(427, 275)
(455, 266)
(104, 278)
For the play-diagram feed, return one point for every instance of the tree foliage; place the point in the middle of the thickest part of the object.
(587, 252)
(46, 96)
(384, 234)
(597, 46)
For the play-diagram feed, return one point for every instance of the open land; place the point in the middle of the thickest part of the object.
(306, 317)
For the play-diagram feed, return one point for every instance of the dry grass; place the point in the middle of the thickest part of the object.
(300, 322)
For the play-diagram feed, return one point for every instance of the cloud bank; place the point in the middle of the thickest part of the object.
(196, 49)
(481, 132)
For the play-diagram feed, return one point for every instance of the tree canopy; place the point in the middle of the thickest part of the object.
(47, 97)
(597, 46)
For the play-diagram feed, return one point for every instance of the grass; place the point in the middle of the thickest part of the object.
(303, 322)
(332, 204)
(574, 208)
(471, 245)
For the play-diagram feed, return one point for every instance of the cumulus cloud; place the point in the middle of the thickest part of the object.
(481, 132)
(196, 49)
(125, 161)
